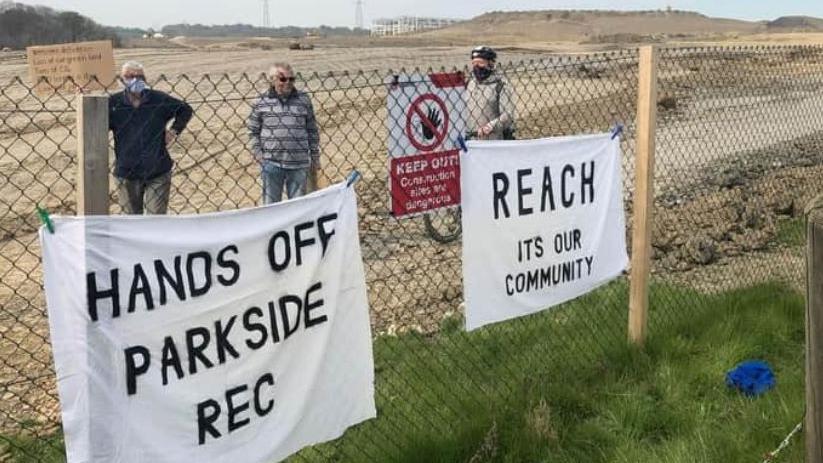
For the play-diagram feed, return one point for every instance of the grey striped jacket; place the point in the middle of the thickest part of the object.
(284, 130)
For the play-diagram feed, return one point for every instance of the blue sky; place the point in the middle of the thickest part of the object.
(156, 13)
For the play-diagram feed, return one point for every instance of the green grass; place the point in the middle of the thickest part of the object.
(565, 386)
(665, 403)
(792, 232)
(32, 449)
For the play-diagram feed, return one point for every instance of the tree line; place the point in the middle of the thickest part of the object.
(247, 30)
(24, 25)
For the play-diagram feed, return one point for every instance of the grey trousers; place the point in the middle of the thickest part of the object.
(151, 196)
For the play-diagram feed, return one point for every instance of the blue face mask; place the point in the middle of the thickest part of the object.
(481, 73)
(135, 85)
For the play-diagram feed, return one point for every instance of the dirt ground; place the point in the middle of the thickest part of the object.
(738, 153)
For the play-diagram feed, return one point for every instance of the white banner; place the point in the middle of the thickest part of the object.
(240, 336)
(543, 223)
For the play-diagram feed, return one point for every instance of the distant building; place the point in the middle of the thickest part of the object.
(408, 24)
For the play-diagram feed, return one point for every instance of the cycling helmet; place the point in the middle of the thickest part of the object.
(484, 52)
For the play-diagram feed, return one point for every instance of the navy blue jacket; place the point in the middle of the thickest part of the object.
(139, 133)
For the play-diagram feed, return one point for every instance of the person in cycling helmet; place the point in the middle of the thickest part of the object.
(489, 101)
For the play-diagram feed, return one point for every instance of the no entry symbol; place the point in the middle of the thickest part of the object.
(429, 114)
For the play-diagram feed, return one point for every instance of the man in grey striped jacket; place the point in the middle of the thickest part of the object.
(284, 137)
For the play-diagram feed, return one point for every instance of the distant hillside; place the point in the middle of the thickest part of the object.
(23, 25)
(802, 23)
(247, 30)
(591, 26)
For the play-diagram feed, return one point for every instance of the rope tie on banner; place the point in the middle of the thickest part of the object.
(616, 130)
(352, 178)
(44, 217)
(461, 142)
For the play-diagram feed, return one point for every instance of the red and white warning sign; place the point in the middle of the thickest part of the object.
(426, 116)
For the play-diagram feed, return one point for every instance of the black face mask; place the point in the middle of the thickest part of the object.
(481, 73)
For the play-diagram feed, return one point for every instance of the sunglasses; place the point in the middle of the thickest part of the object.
(285, 79)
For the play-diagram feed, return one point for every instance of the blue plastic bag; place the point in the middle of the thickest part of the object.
(752, 377)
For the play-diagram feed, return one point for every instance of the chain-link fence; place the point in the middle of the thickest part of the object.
(738, 157)
(739, 133)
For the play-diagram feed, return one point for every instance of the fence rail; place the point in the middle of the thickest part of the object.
(739, 143)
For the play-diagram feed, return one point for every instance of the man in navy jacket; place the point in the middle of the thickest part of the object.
(139, 117)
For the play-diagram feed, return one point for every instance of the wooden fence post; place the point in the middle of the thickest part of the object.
(814, 331)
(92, 155)
(643, 194)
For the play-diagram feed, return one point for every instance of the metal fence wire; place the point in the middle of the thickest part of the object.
(739, 153)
